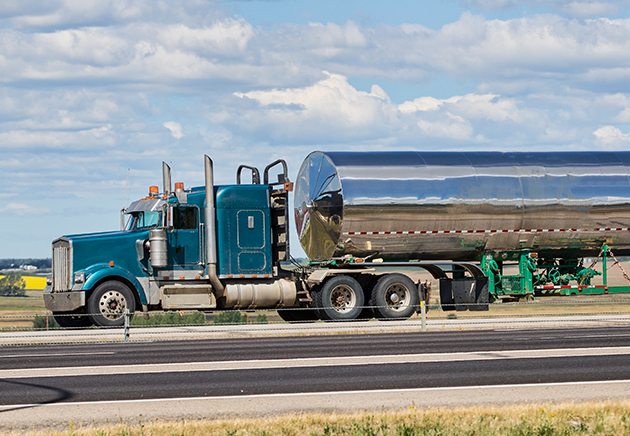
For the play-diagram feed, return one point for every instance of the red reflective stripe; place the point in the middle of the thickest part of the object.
(435, 232)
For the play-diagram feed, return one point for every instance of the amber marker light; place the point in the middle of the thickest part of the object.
(111, 263)
(179, 185)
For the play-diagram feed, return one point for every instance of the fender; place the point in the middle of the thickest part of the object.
(100, 271)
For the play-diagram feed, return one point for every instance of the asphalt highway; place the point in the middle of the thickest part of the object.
(92, 383)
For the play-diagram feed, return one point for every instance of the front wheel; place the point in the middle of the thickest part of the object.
(395, 296)
(108, 303)
(339, 299)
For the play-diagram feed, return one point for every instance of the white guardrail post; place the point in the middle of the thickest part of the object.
(423, 316)
(126, 325)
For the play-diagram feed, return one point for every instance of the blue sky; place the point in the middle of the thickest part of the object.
(94, 94)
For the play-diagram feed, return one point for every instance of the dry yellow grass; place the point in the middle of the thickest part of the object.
(595, 418)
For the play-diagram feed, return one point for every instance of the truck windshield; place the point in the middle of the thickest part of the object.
(143, 220)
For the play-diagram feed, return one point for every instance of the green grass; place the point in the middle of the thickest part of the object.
(171, 318)
(566, 419)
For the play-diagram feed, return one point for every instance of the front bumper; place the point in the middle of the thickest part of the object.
(64, 301)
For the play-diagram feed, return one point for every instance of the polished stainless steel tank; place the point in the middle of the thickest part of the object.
(458, 205)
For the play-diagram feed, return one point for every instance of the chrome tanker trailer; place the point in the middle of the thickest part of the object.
(487, 226)
(542, 212)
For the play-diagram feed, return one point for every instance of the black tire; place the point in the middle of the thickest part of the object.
(339, 299)
(367, 313)
(298, 314)
(395, 296)
(108, 302)
(72, 320)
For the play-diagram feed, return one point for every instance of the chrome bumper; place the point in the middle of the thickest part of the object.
(64, 301)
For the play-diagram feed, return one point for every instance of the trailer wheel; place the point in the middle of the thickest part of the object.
(395, 296)
(298, 314)
(108, 302)
(72, 320)
(339, 299)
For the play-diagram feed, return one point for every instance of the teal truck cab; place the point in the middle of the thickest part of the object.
(205, 248)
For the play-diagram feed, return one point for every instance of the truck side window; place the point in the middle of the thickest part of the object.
(143, 220)
(185, 218)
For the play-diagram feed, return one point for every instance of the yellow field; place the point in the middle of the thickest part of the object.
(35, 283)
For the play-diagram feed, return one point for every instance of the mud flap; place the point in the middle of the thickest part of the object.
(464, 294)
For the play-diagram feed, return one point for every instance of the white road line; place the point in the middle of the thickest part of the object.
(328, 393)
(308, 362)
(57, 354)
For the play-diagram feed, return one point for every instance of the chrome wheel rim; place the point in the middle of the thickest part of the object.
(343, 299)
(397, 297)
(112, 305)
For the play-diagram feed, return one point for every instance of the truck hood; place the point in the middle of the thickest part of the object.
(101, 248)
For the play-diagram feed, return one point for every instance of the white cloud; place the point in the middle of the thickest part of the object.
(575, 8)
(449, 126)
(86, 87)
(81, 13)
(300, 113)
(548, 49)
(332, 109)
(589, 8)
(22, 209)
(611, 136)
(175, 128)
(623, 117)
(473, 106)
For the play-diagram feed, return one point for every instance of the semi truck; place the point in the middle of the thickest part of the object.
(489, 227)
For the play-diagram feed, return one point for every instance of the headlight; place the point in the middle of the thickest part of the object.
(79, 277)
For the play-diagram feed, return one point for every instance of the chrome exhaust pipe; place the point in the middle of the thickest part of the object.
(166, 178)
(211, 242)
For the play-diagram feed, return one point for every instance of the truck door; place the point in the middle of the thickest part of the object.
(184, 243)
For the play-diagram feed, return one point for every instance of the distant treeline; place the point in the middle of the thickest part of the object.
(15, 263)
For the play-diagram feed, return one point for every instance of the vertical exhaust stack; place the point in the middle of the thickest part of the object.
(211, 240)
(166, 178)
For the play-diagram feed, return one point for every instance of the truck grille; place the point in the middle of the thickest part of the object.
(62, 265)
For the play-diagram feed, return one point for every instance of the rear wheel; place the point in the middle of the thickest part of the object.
(298, 314)
(395, 296)
(108, 303)
(339, 299)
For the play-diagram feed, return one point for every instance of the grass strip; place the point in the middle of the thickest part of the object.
(593, 418)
